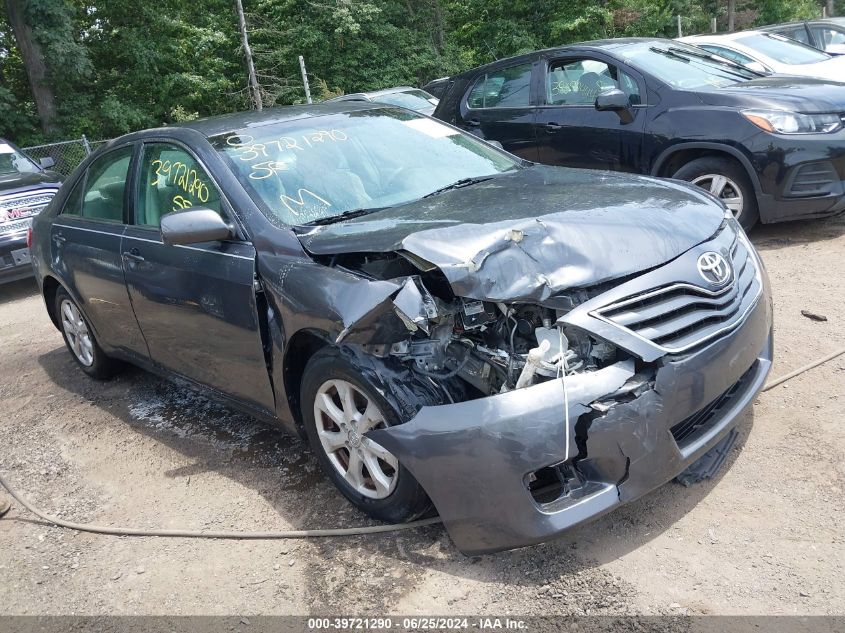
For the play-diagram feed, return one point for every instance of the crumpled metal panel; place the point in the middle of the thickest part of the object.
(528, 235)
(471, 456)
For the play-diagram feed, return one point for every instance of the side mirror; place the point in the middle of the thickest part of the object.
(194, 225)
(615, 100)
(495, 144)
(47, 163)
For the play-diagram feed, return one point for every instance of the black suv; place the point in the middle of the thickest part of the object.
(772, 148)
(25, 189)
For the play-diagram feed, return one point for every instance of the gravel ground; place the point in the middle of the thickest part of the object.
(766, 537)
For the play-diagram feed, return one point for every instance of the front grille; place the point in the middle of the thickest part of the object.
(681, 316)
(815, 179)
(14, 227)
(687, 431)
(23, 206)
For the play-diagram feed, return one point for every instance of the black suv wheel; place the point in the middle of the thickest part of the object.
(726, 180)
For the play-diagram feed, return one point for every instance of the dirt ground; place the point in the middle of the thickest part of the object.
(766, 537)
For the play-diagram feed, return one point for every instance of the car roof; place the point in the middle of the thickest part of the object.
(216, 125)
(724, 37)
(592, 45)
(839, 21)
(389, 91)
(372, 95)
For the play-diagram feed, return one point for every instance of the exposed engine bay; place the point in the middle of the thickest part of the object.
(473, 348)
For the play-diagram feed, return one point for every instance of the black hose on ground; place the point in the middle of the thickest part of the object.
(287, 534)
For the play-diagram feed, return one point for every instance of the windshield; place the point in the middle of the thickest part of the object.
(684, 67)
(782, 49)
(13, 162)
(307, 170)
(412, 99)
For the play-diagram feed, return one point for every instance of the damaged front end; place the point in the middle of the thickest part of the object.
(555, 411)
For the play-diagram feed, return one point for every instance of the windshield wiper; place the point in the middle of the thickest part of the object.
(458, 184)
(340, 217)
(718, 59)
(680, 53)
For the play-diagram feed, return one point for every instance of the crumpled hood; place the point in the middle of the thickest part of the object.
(528, 235)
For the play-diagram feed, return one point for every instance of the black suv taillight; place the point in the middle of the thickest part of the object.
(29, 237)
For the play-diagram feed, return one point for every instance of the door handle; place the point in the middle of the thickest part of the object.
(473, 122)
(553, 127)
(59, 239)
(133, 256)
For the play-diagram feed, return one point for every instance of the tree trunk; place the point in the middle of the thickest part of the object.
(731, 15)
(36, 68)
(831, 9)
(439, 28)
(254, 87)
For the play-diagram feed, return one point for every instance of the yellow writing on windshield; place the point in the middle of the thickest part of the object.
(306, 203)
(266, 158)
(178, 174)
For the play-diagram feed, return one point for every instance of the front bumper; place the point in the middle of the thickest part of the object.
(14, 257)
(801, 177)
(473, 458)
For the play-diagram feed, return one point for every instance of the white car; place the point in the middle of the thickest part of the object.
(772, 53)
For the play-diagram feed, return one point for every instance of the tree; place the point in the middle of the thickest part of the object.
(254, 88)
(35, 64)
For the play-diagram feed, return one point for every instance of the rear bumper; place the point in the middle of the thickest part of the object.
(474, 458)
(14, 257)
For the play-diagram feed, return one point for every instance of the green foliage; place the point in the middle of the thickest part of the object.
(122, 65)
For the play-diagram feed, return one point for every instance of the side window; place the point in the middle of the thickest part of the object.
(579, 82)
(73, 204)
(506, 88)
(796, 33)
(105, 186)
(171, 180)
(829, 38)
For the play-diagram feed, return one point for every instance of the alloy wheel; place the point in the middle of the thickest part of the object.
(343, 414)
(723, 188)
(76, 331)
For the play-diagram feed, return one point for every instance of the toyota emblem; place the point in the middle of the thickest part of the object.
(714, 268)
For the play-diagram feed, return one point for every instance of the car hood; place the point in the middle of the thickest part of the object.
(799, 94)
(15, 183)
(527, 235)
(832, 70)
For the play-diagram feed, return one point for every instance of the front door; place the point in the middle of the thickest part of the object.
(196, 304)
(85, 249)
(571, 132)
(498, 108)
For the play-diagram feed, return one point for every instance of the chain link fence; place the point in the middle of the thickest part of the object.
(66, 154)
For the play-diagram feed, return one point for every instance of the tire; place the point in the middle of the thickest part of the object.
(727, 180)
(80, 341)
(393, 495)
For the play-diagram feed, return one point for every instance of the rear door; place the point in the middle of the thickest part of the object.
(196, 304)
(499, 107)
(571, 132)
(85, 248)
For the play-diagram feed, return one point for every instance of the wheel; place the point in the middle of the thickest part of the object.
(726, 180)
(338, 407)
(80, 340)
